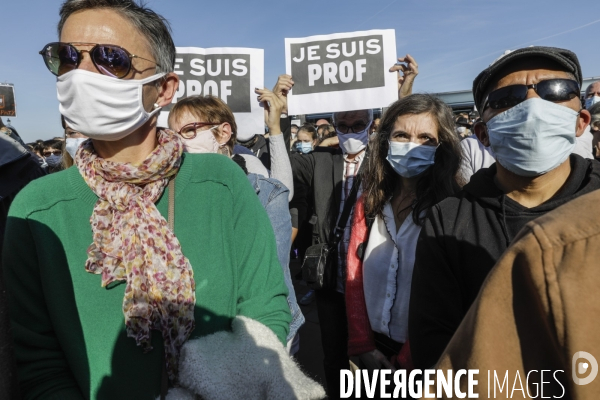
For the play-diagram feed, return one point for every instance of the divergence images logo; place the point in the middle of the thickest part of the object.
(581, 367)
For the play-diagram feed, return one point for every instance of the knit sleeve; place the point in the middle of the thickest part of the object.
(262, 294)
(42, 367)
(360, 334)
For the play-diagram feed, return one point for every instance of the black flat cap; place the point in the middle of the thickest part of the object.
(563, 57)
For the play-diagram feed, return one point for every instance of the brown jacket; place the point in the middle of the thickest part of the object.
(538, 307)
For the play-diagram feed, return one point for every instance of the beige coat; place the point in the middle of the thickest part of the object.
(538, 307)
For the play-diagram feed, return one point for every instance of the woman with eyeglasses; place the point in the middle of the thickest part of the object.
(412, 164)
(113, 266)
(207, 125)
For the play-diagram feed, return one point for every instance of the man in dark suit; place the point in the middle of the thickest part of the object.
(323, 180)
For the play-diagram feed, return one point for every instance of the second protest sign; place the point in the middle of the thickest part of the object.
(229, 73)
(341, 72)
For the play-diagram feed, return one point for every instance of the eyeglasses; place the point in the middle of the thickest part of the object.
(190, 131)
(48, 153)
(109, 59)
(357, 127)
(554, 90)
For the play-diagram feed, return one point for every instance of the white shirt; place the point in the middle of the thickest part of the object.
(387, 274)
(475, 157)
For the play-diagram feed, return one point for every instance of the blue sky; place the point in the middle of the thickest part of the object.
(452, 40)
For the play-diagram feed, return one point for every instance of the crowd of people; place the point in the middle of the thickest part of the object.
(453, 239)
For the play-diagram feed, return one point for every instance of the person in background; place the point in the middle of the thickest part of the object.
(52, 152)
(376, 126)
(412, 165)
(18, 167)
(531, 114)
(463, 127)
(538, 311)
(327, 176)
(307, 139)
(103, 293)
(592, 94)
(207, 125)
(294, 131)
(73, 140)
(325, 132)
(595, 129)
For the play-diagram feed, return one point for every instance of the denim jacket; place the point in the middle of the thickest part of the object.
(273, 196)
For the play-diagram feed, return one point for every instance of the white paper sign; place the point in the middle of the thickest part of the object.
(229, 73)
(341, 72)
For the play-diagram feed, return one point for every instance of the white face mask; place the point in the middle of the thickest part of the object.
(204, 142)
(102, 107)
(354, 143)
(591, 101)
(72, 144)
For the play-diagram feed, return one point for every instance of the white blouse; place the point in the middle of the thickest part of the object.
(387, 274)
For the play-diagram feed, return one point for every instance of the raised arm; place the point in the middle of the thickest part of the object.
(407, 70)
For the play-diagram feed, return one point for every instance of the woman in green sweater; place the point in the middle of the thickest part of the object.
(101, 290)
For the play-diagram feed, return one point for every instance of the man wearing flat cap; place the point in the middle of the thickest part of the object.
(531, 115)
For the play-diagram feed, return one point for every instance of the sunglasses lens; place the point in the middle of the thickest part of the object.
(60, 57)
(111, 60)
(507, 97)
(558, 89)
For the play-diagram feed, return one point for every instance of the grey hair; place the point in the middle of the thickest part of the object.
(370, 112)
(155, 28)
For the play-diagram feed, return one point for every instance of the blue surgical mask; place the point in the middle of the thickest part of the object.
(72, 145)
(410, 159)
(53, 160)
(304, 147)
(533, 137)
(591, 101)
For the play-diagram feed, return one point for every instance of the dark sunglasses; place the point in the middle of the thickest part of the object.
(190, 131)
(554, 90)
(109, 59)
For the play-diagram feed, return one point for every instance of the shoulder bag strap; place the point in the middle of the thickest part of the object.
(348, 205)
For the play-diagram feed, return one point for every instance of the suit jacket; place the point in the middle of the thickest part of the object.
(318, 185)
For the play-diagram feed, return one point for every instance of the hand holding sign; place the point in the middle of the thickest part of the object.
(341, 72)
(282, 88)
(409, 73)
(273, 105)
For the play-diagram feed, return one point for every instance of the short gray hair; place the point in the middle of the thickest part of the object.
(153, 27)
(339, 113)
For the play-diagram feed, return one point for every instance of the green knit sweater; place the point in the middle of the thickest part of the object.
(69, 332)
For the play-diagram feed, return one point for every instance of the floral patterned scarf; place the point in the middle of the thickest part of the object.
(132, 242)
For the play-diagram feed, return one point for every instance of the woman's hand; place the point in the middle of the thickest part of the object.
(282, 88)
(409, 73)
(273, 107)
(375, 360)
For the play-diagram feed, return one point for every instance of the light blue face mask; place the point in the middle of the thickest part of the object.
(533, 137)
(304, 147)
(591, 101)
(410, 159)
